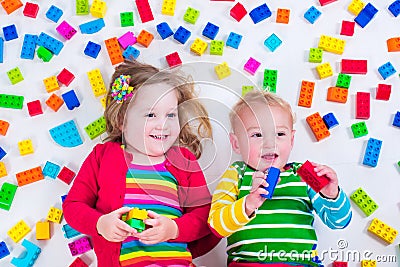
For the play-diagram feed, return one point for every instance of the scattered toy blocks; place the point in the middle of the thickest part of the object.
(315, 55)
(234, 40)
(217, 48)
(131, 53)
(78, 263)
(92, 49)
(222, 70)
(96, 128)
(10, 32)
(51, 170)
(54, 215)
(383, 230)
(144, 10)
(168, 7)
(270, 79)
(356, 6)
(260, 13)
(362, 105)
(66, 30)
(71, 100)
(191, 15)
(364, 201)
(97, 82)
(312, 14)
(79, 246)
(182, 35)
(69, 232)
(331, 44)
(366, 15)
(7, 193)
(114, 51)
(386, 70)
(66, 134)
(42, 230)
(54, 13)
(238, 12)
(307, 173)
(337, 94)
(25, 147)
(50, 43)
(30, 10)
(198, 47)
(396, 120)
(11, 5)
(272, 42)
(3, 170)
(324, 70)
(4, 125)
(330, 120)
(317, 126)
(145, 38)
(18, 231)
(65, 77)
(98, 9)
(354, 66)
(54, 102)
(210, 31)
(29, 257)
(66, 175)
(3, 250)
(29, 46)
(347, 28)
(251, 66)
(306, 94)
(126, 19)
(173, 59)
(282, 16)
(343, 81)
(164, 30)
(359, 129)
(82, 7)
(372, 152)
(92, 26)
(15, 75)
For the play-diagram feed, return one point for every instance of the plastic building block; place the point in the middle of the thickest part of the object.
(283, 15)
(92, 26)
(260, 13)
(354, 66)
(51, 84)
(96, 128)
(11, 101)
(272, 178)
(330, 120)
(306, 94)
(337, 94)
(246, 89)
(50, 43)
(325, 2)
(315, 55)
(198, 47)
(7, 193)
(97, 82)
(343, 80)
(394, 8)
(359, 129)
(238, 11)
(71, 100)
(54, 13)
(4, 127)
(318, 126)
(339, 264)
(366, 15)
(145, 38)
(347, 28)
(1, 49)
(51, 170)
(331, 44)
(136, 213)
(63, 198)
(2, 153)
(29, 176)
(30, 10)
(234, 40)
(29, 257)
(168, 7)
(251, 66)
(15, 75)
(393, 44)
(127, 39)
(173, 59)
(69, 232)
(54, 215)
(356, 6)
(11, 5)
(3, 250)
(383, 91)
(270, 78)
(217, 48)
(362, 105)
(210, 31)
(368, 263)
(396, 120)
(29, 46)
(139, 225)
(92, 49)
(98, 9)
(372, 151)
(25, 147)
(3, 170)
(78, 262)
(182, 35)
(383, 230)
(114, 51)
(222, 70)
(324, 70)
(144, 10)
(79, 246)
(272, 42)
(42, 230)
(164, 30)
(82, 7)
(44, 54)
(66, 30)
(307, 173)
(10, 32)
(65, 77)
(103, 102)
(312, 14)
(66, 175)
(18, 231)
(66, 134)
(126, 19)
(386, 70)
(131, 53)
(191, 15)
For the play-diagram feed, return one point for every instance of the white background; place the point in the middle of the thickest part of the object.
(340, 151)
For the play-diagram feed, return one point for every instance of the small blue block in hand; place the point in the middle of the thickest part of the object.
(272, 179)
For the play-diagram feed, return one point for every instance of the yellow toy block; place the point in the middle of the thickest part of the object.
(97, 82)
(331, 44)
(383, 230)
(18, 231)
(103, 102)
(25, 147)
(368, 263)
(51, 84)
(222, 70)
(324, 70)
(42, 230)
(356, 6)
(54, 215)
(246, 89)
(98, 9)
(198, 46)
(3, 170)
(137, 213)
(168, 7)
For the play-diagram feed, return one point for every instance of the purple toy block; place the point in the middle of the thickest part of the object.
(251, 66)
(127, 39)
(66, 30)
(79, 246)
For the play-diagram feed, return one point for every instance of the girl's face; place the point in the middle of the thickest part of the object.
(151, 123)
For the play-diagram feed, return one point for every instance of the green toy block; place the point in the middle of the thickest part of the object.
(217, 47)
(359, 129)
(191, 15)
(7, 193)
(44, 54)
(246, 89)
(398, 163)
(96, 128)
(15, 75)
(270, 77)
(137, 224)
(343, 80)
(315, 55)
(82, 7)
(11, 101)
(363, 201)
(126, 19)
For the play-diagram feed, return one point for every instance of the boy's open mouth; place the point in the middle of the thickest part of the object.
(270, 156)
(159, 137)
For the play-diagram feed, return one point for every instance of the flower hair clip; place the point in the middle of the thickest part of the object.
(120, 89)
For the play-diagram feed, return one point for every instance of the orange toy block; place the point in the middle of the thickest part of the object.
(42, 230)
(54, 102)
(11, 5)
(393, 44)
(144, 38)
(337, 94)
(29, 176)
(114, 51)
(54, 215)
(318, 126)
(4, 127)
(283, 15)
(18, 231)
(306, 94)
(3, 170)
(51, 84)
(137, 213)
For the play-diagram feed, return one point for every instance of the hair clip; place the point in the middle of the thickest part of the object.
(120, 89)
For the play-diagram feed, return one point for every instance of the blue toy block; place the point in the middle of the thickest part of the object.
(71, 100)
(54, 13)
(210, 31)
(234, 40)
(29, 46)
(3, 250)
(92, 49)
(63, 198)
(386, 70)
(330, 120)
(260, 13)
(312, 14)
(10, 32)
(164, 30)
(272, 42)
(272, 179)
(396, 120)
(372, 151)
(66, 134)
(50, 43)
(1, 49)
(394, 8)
(51, 170)
(131, 52)
(366, 15)
(29, 257)
(182, 35)
(69, 232)
(92, 26)
(2, 153)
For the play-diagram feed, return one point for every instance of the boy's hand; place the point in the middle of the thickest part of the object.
(331, 190)
(112, 228)
(163, 229)
(254, 200)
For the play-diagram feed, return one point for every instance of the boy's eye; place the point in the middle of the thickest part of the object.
(256, 135)
(151, 115)
(171, 115)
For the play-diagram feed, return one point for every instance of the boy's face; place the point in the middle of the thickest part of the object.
(263, 135)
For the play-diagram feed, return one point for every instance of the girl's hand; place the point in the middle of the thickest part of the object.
(331, 190)
(112, 228)
(163, 229)
(254, 200)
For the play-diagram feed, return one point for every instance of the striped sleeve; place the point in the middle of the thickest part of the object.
(335, 213)
(227, 213)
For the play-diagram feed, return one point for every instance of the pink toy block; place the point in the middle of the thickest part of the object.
(34, 108)
(65, 30)
(127, 39)
(383, 91)
(173, 59)
(347, 28)
(362, 105)
(66, 175)
(354, 66)
(79, 246)
(307, 173)
(65, 77)
(251, 66)
(238, 12)
(31, 10)
(325, 2)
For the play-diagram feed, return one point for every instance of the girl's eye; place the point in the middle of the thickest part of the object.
(281, 133)
(151, 115)
(171, 115)
(256, 135)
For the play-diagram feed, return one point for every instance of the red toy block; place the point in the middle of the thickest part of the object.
(238, 12)
(362, 105)
(347, 28)
(144, 10)
(393, 44)
(383, 91)
(78, 262)
(54, 102)
(325, 2)
(353, 66)
(4, 127)
(11, 5)
(29, 176)
(337, 94)
(318, 126)
(31, 10)
(307, 173)
(66, 175)
(306, 94)
(114, 51)
(173, 59)
(34, 108)
(65, 77)
(339, 264)
(144, 38)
